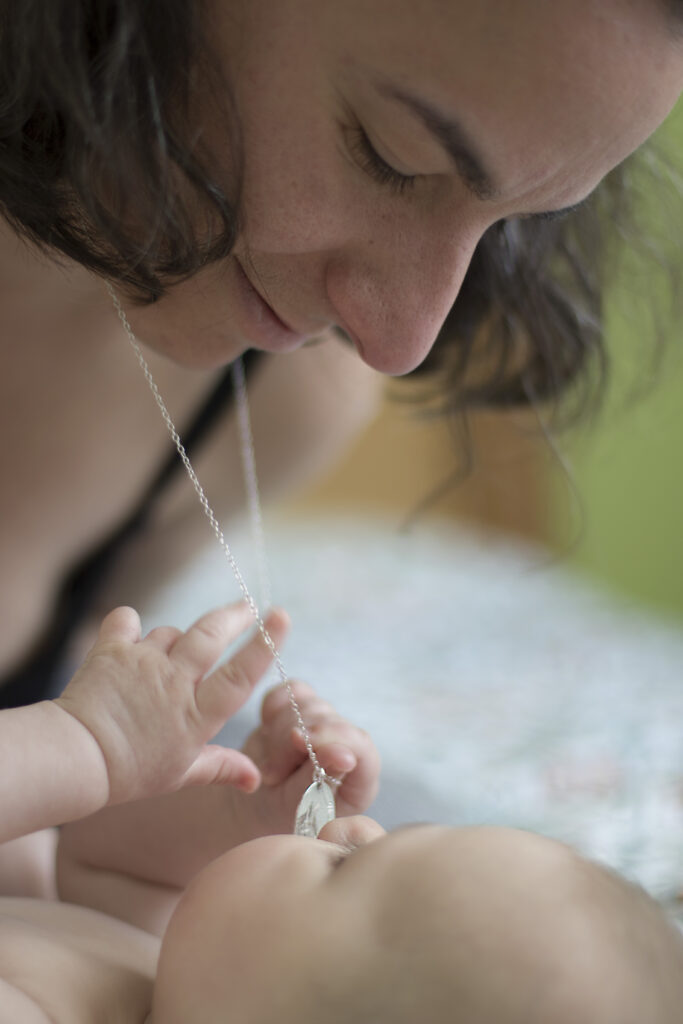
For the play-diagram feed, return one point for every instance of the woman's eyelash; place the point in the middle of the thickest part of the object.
(370, 160)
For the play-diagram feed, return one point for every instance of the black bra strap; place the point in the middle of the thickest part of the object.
(39, 675)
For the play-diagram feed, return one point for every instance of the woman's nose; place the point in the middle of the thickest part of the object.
(392, 304)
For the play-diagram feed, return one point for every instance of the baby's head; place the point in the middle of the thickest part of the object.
(426, 923)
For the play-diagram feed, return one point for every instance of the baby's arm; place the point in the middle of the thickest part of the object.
(134, 860)
(51, 769)
(133, 722)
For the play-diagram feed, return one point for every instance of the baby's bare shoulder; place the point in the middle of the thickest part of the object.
(65, 963)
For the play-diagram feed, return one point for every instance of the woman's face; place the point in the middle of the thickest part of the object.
(381, 138)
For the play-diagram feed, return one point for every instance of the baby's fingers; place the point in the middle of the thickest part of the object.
(276, 746)
(360, 783)
(336, 758)
(224, 692)
(216, 765)
(122, 624)
(201, 646)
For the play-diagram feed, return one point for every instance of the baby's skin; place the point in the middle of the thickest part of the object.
(236, 921)
(135, 721)
(128, 741)
(429, 924)
(477, 925)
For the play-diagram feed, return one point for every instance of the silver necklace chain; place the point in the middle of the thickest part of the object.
(247, 453)
(255, 514)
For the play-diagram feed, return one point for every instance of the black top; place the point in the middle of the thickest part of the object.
(41, 674)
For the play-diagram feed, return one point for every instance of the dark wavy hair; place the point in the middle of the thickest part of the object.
(101, 160)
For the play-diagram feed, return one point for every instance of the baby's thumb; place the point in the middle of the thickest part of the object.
(222, 766)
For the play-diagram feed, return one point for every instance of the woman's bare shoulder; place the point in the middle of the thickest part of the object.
(60, 962)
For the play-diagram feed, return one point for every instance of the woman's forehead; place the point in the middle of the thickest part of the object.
(536, 84)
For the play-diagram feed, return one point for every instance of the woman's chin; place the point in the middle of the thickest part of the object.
(200, 351)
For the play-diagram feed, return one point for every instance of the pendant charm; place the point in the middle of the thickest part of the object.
(315, 809)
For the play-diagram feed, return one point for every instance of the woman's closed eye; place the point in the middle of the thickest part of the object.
(376, 166)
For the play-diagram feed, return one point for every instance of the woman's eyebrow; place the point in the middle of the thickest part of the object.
(452, 137)
(467, 160)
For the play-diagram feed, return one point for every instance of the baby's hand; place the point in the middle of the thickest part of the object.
(152, 708)
(279, 749)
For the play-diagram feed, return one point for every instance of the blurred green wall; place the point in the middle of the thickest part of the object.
(621, 517)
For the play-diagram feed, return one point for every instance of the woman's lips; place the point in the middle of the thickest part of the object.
(262, 325)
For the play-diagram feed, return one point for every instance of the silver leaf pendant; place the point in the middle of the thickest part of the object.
(315, 809)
